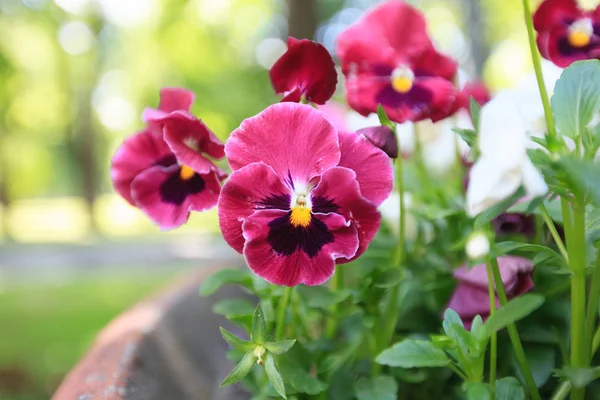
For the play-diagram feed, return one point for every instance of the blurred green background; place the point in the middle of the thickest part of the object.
(75, 76)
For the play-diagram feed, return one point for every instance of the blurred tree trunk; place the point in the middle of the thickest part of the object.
(302, 19)
(480, 50)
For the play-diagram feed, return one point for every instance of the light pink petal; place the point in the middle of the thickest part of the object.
(254, 187)
(335, 114)
(298, 266)
(372, 166)
(294, 139)
(136, 154)
(511, 268)
(469, 301)
(338, 192)
(167, 200)
(172, 99)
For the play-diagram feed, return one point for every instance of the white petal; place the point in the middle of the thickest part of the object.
(533, 180)
(489, 184)
(502, 132)
(439, 155)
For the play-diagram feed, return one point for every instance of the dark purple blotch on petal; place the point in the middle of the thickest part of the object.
(324, 205)
(416, 98)
(514, 223)
(174, 190)
(274, 202)
(285, 238)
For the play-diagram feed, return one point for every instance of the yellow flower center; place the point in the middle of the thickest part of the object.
(402, 79)
(300, 215)
(186, 173)
(402, 85)
(580, 33)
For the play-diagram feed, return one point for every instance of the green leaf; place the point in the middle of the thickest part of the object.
(477, 329)
(468, 135)
(513, 311)
(258, 326)
(321, 297)
(389, 278)
(273, 375)
(509, 388)
(477, 390)
(575, 99)
(475, 109)
(579, 377)
(488, 215)
(280, 347)
(503, 248)
(541, 359)
(413, 354)
(240, 371)
(225, 276)
(233, 308)
(583, 176)
(450, 317)
(235, 341)
(384, 119)
(295, 376)
(380, 388)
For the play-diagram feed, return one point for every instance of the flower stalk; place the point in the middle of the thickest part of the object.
(281, 312)
(494, 338)
(514, 335)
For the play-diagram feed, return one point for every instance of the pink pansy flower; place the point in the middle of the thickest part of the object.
(305, 69)
(388, 59)
(153, 171)
(566, 33)
(471, 295)
(303, 196)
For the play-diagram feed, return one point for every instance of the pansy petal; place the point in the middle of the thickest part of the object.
(254, 187)
(288, 257)
(172, 99)
(391, 33)
(308, 66)
(167, 199)
(372, 166)
(439, 106)
(136, 154)
(294, 139)
(469, 301)
(339, 192)
(489, 185)
(554, 13)
(431, 60)
(533, 181)
(510, 268)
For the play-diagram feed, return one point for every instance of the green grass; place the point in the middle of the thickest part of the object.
(45, 329)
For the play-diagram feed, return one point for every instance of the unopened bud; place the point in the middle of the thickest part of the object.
(382, 137)
(478, 246)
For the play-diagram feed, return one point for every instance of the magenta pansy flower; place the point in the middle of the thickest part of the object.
(471, 296)
(305, 69)
(162, 169)
(566, 33)
(303, 197)
(388, 59)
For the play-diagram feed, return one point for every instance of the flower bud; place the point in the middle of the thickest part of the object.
(382, 137)
(478, 246)
(259, 351)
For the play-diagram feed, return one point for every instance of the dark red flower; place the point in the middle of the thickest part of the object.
(305, 69)
(476, 90)
(566, 33)
(471, 296)
(388, 59)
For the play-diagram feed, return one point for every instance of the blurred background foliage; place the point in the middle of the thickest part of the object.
(75, 76)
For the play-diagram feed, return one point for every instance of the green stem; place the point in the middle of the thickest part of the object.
(336, 283)
(592, 310)
(565, 387)
(537, 66)
(494, 338)
(576, 247)
(390, 314)
(281, 311)
(514, 335)
(554, 232)
(458, 372)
